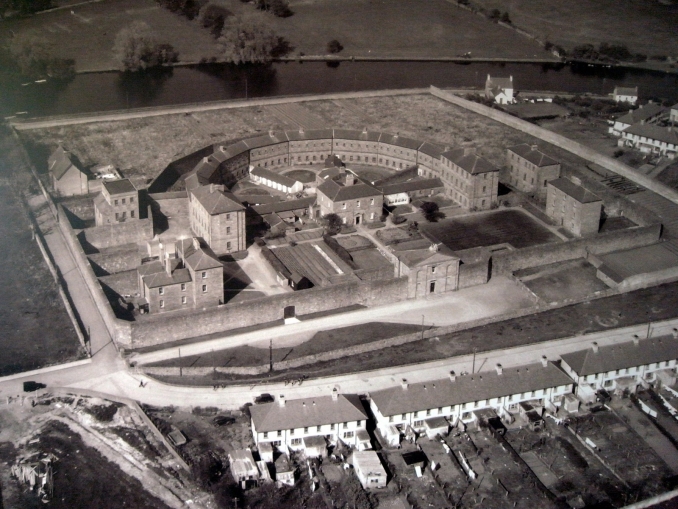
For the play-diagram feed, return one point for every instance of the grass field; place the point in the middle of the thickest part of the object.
(511, 226)
(644, 26)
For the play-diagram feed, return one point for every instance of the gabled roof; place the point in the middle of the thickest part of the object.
(337, 192)
(427, 256)
(621, 356)
(216, 201)
(59, 162)
(411, 185)
(155, 275)
(202, 260)
(654, 132)
(355, 134)
(309, 134)
(575, 191)
(533, 155)
(272, 176)
(431, 149)
(468, 388)
(633, 91)
(121, 186)
(469, 161)
(283, 206)
(302, 413)
(333, 161)
(329, 173)
(399, 141)
(641, 113)
(272, 138)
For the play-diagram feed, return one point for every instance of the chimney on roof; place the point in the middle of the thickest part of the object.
(636, 340)
(168, 264)
(434, 248)
(544, 361)
(349, 179)
(301, 130)
(196, 243)
(674, 332)
(500, 369)
(281, 400)
(335, 394)
(211, 188)
(404, 384)
(575, 180)
(365, 130)
(453, 376)
(534, 147)
(595, 347)
(271, 133)
(642, 122)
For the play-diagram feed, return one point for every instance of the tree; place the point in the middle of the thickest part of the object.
(281, 8)
(33, 55)
(505, 18)
(213, 17)
(136, 48)
(334, 46)
(248, 39)
(332, 223)
(431, 211)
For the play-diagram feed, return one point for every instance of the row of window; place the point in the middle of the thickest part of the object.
(183, 297)
(131, 200)
(121, 216)
(318, 429)
(346, 434)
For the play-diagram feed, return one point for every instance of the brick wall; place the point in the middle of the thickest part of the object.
(171, 327)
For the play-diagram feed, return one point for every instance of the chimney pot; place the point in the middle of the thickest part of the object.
(636, 340)
(595, 347)
(281, 400)
(404, 384)
(533, 147)
(453, 376)
(500, 369)
(675, 333)
(335, 394)
(544, 361)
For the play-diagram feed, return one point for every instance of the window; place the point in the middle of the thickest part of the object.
(276, 443)
(359, 423)
(332, 427)
(440, 410)
(116, 216)
(305, 430)
(403, 417)
(371, 201)
(161, 291)
(345, 425)
(183, 299)
(123, 201)
(390, 419)
(291, 432)
(204, 275)
(343, 205)
(115, 202)
(131, 200)
(433, 269)
(358, 204)
(296, 441)
(418, 424)
(428, 412)
(183, 287)
(162, 303)
(228, 245)
(131, 214)
(204, 288)
(228, 229)
(265, 434)
(348, 434)
(279, 433)
(317, 428)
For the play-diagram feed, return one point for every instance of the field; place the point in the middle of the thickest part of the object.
(512, 226)
(644, 26)
(36, 329)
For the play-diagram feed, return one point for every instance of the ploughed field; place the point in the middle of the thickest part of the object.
(512, 226)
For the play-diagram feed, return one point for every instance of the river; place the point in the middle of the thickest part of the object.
(105, 91)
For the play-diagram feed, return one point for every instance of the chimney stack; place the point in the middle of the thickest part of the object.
(500, 369)
(595, 347)
(404, 384)
(453, 376)
(575, 180)
(335, 394)
(636, 340)
(675, 333)
(534, 147)
(281, 400)
(349, 179)
(544, 361)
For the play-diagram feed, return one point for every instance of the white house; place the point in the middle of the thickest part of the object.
(292, 423)
(673, 115)
(651, 139)
(625, 94)
(404, 192)
(274, 180)
(648, 114)
(621, 365)
(456, 397)
(369, 469)
(500, 89)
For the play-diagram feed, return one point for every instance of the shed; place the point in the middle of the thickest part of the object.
(362, 440)
(284, 471)
(392, 435)
(315, 447)
(570, 403)
(264, 474)
(176, 437)
(436, 426)
(415, 459)
(369, 469)
(243, 466)
(266, 451)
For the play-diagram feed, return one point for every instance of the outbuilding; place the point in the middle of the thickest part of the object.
(369, 469)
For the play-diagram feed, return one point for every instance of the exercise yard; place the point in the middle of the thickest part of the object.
(504, 226)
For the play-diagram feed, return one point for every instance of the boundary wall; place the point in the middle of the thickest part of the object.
(560, 141)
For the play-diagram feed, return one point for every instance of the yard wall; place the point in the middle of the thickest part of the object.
(560, 141)
(472, 274)
(164, 328)
(112, 263)
(508, 262)
(101, 237)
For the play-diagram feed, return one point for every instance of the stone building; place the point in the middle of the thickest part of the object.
(431, 270)
(275, 180)
(355, 202)
(217, 217)
(404, 192)
(573, 207)
(500, 89)
(625, 95)
(187, 275)
(67, 178)
(649, 113)
(531, 169)
(469, 180)
(118, 202)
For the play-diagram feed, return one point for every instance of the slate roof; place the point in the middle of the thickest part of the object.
(431, 149)
(155, 275)
(334, 162)
(121, 186)
(272, 138)
(468, 388)
(471, 163)
(309, 134)
(200, 258)
(301, 413)
(412, 185)
(283, 206)
(654, 132)
(399, 141)
(355, 134)
(337, 192)
(426, 256)
(272, 176)
(641, 113)
(575, 191)
(626, 91)
(502, 83)
(216, 201)
(623, 355)
(59, 162)
(329, 173)
(535, 156)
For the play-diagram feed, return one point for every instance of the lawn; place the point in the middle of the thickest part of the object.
(512, 226)
(644, 26)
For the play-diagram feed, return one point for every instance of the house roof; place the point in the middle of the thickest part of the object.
(301, 413)
(399, 141)
(654, 132)
(468, 388)
(282, 464)
(272, 138)
(121, 186)
(623, 355)
(626, 91)
(309, 134)
(355, 134)
(257, 199)
(272, 176)
(283, 206)
(577, 192)
(337, 192)
(411, 185)
(533, 155)
(430, 149)
(200, 258)
(469, 162)
(497, 84)
(59, 162)
(242, 463)
(641, 113)
(368, 461)
(427, 256)
(215, 201)
(329, 173)
(155, 275)
(333, 161)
